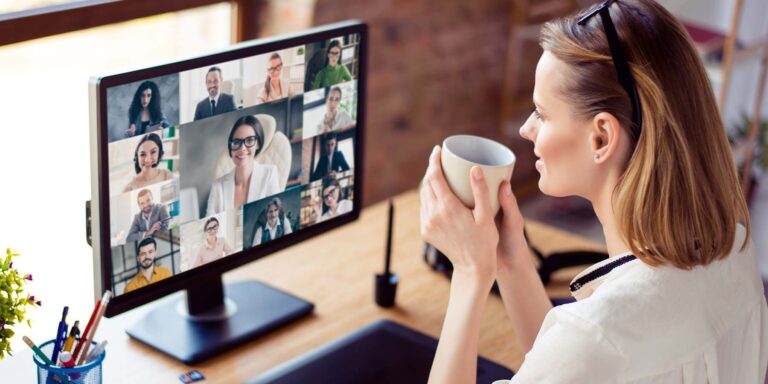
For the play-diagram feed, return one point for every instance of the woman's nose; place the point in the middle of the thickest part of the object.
(527, 130)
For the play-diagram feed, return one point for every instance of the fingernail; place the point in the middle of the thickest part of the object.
(508, 189)
(477, 173)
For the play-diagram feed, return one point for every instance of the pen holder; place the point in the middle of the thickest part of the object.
(385, 289)
(88, 373)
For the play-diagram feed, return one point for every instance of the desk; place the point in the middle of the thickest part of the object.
(335, 271)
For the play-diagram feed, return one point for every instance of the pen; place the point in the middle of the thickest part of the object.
(102, 309)
(389, 238)
(95, 352)
(37, 351)
(61, 335)
(73, 334)
(81, 343)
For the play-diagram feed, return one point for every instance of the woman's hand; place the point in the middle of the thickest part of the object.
(468, 237)
(131, 130)
(513, 248)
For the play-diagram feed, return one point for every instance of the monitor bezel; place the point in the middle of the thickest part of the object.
(100, 168)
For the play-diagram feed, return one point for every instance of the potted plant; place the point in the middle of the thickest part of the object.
(739, 141)
(13, 301)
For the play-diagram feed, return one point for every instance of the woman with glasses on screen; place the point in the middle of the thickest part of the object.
(333, 204)
(214, 247)
(145, 113)
(146, 158)
(249, 181)
(275, 87)
(334, 72)
(334, 118)
(625, 118)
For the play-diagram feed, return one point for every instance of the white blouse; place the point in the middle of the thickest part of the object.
(263, 183)
(643, 324)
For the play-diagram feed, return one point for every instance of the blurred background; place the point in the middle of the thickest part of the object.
(435, 68)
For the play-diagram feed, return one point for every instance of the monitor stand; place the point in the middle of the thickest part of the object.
(209, 324)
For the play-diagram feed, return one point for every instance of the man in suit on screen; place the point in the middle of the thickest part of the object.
(330, 162)
(217, 102)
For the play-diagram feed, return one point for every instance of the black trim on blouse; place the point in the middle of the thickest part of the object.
(600, 272)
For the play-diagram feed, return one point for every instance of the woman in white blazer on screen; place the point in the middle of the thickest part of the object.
(249, 181)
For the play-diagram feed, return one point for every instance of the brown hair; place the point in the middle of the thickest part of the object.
(679, 199)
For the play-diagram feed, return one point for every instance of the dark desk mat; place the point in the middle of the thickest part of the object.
(381, 352)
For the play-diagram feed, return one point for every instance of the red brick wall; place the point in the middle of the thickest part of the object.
(435, 68)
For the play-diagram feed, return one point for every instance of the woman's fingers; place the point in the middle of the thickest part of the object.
(437, 180)
(508, 202)
(482, 210)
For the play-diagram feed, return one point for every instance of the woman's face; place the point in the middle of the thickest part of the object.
(333, 56)
(242, 154)
(146, 97)
(212, 229)
(561, 141)
(331, 196)
(148, 153)
(333, 101)
(275, 68)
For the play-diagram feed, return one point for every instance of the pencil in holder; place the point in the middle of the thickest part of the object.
(87, 373)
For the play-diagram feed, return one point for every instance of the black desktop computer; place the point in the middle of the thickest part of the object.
(205, 164)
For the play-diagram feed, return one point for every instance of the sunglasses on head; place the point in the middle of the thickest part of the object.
(619, 60)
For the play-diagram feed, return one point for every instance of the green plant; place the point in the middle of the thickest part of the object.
(13, 301)
(739, 136)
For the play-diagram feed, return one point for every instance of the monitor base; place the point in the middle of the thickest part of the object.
(252, 309)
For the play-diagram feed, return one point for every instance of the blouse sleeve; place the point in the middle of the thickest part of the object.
(569, 349)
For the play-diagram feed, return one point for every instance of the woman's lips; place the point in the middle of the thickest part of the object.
(539, 165)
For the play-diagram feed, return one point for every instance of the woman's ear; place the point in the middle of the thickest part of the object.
(605, 134)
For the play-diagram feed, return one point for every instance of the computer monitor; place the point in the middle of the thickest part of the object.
(205, 164)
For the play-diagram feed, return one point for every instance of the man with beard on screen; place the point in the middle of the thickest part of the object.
(150, 219)
(148, 273)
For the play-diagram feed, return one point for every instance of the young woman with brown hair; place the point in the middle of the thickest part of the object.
(625, 117)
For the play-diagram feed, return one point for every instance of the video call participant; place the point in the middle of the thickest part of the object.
(147, 156)
(276, 226)
(217, 102)
(335, 118)
(333, 205)
(334, 72)
(148, 273)
(150, 219)
(275, 87)
(249, 181)
(145, 113)
(214, 247)
(331, 161)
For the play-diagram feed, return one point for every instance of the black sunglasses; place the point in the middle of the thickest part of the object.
(619, 60)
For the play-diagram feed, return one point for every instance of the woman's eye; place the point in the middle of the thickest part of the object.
(537, 114)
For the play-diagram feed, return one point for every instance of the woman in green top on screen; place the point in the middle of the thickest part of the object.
(334, 72)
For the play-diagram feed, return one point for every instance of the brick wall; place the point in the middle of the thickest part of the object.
(435, 68)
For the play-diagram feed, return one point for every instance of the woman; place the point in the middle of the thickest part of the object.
(333, 73)
(333, 205)
(145, 113)
(334, 118)
(275, 87)
(249, 181)
(214, 247)
(679, 299)
(147, 156)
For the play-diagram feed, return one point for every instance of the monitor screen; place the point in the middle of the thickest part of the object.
(212, 162)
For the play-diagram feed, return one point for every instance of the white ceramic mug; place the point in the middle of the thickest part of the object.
(461, 152)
